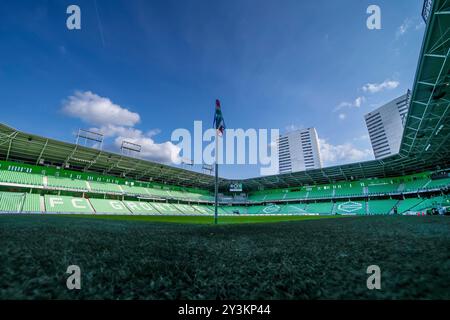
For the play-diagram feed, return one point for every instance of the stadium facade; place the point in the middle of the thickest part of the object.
(385, 126)
(42, 175)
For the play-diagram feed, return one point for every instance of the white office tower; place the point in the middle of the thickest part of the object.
(386, 124)
(298, 151)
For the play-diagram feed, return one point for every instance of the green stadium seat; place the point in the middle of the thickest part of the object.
(65, 204)
(383, 188)
(381, 206)
(135, 190)
(165, 208)
(32, 203)
(407, 204)
(348, 189)
(186, 209)
(350, 207)
(319, 207)
(294, 209)
(104, 187)
(438, 183)
(109, 206)
(140, 207)
(11, 202)
(296, 195)
(66, 183)
(318, 192)
(21, 178)
(203, 209)
(414, 185)
(269, 209)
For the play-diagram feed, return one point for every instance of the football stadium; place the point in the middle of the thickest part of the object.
(140, 229)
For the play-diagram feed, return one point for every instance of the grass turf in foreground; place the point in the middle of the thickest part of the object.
(312, 259)
(204, 219)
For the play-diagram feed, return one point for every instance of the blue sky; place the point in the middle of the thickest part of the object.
(162, 64)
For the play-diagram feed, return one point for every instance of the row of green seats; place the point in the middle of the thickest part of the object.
(21, 178)
(11, 202)
(381, 206)
(66, 183)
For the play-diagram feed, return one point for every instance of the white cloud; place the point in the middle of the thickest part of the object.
(96, 110)
(342, 116)
(364, 137)
(342, 153)
(377, 87)
(116, 122)
(355, 104)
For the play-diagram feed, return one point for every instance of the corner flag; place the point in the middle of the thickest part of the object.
(219, 122)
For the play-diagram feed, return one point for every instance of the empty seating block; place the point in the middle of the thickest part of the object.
(414, 185)
(294, 209)
(257, 197)
(203, 209)
(429, 203)
(235, 209)
(32, 203)
(159, 193)
(381, 206)
(383, 188)
(350, 207)
(11, 202)
(269, 209)
(186, 209)
(64, 204)
(109, 206)
(319, 192)
(349, 190)
(140, 207)
(296, 194)
(66, 183)
(135, 190)
(105, 187)
(407, 204)
(165, 208)
(438, 183)
(21, 178)
(320, 207)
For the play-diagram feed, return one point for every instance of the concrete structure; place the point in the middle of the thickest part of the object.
(298, 151)
(385, 126)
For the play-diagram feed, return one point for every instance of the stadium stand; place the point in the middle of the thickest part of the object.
(140, 207)
(104, 187)
(320, 207)
(414, 185)
(348, 190)
(11, 202)
(381, 206)
(66, 204)
(294, 209)
(108, 206)
(66, 183)
(383, 188)
(21, 178)
(165, 208)
(32, 203)
(319, 192)
(203, 209)
(350, 207)
(407, 204)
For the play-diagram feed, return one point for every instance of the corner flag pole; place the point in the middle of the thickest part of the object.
(216, 184)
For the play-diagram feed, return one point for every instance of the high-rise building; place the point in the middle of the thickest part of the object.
(385, 126)
(298, 151)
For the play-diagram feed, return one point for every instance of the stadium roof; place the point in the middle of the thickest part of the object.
(424, 144)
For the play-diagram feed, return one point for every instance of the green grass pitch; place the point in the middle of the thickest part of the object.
(313, 257)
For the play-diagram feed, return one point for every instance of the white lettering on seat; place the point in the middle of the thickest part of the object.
(55, 201)
(75, 205)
